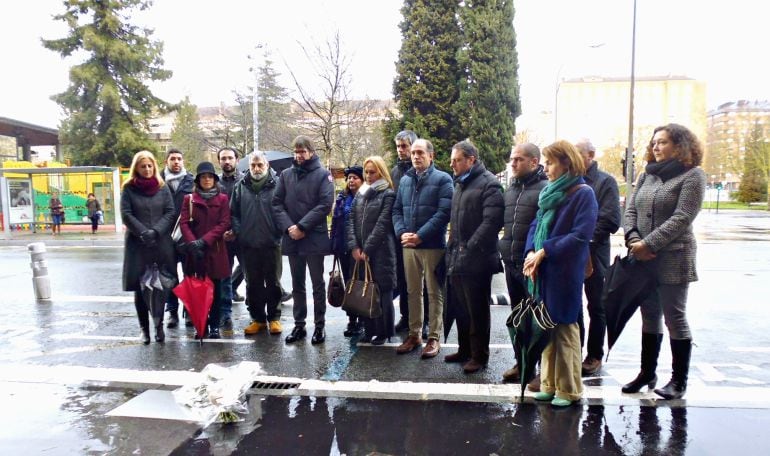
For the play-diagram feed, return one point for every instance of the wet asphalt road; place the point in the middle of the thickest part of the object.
(90, 324)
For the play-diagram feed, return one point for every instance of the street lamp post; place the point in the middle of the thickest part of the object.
(630, 149)
(255, 101)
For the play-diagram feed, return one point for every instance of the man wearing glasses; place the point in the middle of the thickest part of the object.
(303, 199)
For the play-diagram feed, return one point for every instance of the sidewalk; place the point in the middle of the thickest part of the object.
(79, 235)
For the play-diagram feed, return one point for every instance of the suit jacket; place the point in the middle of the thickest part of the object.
(661, 214)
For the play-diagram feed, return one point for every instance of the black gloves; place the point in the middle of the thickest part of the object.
(149, 238)
(197, 248)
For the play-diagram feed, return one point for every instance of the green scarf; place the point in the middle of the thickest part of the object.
(552, 196)
(257, 184)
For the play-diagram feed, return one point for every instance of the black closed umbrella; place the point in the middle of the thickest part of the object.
(628, 283)
(156, 284)
(529, 326)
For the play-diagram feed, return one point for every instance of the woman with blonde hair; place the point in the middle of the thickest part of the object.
(147, 208)
(370, 237)
(556, 258)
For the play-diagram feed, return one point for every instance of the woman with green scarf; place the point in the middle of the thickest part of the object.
(556, 258)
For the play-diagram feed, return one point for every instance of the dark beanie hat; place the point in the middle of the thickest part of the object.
(355, 169)
(203, 168)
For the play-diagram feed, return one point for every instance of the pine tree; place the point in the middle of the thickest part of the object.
(428, 74)
(108, 102)
(489, 88)
(274, 110)
(187, 135)
(756, 168)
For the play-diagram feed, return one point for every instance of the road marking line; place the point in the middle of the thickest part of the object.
(136, 339)
(751, 349)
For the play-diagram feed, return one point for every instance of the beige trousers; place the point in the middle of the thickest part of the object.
(419, 265)
(560, 364)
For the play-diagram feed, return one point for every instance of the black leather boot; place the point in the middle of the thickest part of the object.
(145, 336)
(680, 366)
(160, 336)
(650, 350)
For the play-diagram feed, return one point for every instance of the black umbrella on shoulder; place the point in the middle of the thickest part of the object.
(628, 283)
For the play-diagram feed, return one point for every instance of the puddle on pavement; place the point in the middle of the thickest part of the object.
(338, 426)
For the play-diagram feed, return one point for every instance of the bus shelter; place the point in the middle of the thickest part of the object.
(25, 194)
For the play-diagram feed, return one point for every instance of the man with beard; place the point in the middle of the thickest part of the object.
(520, 209)
(180, 182)
(303, 199)
(228, 159)
(258, 244)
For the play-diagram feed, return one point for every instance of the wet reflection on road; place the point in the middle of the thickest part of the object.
(323, 426)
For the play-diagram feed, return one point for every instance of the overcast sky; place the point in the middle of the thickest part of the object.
(206, 44)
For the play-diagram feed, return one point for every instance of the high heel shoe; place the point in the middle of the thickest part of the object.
(379, 340)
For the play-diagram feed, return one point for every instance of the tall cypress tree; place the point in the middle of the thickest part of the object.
(489, 88)
(108, 102)
(426, 85)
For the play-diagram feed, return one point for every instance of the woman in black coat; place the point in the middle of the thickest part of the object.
(148, 210)
(370, 237)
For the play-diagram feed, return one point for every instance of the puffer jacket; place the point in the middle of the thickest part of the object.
(370, 228)
(304, 197)
(477, 216)
(520, 209)
(209, 220)
(423, 205)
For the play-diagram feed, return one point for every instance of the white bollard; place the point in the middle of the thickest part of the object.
(40, 280)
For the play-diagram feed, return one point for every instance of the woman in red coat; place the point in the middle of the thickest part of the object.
(204, 218)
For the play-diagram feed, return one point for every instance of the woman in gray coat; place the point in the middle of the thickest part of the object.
(370, 237)
(148, 210)
(658, 227)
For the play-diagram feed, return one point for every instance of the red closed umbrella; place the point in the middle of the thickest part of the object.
(197, 295)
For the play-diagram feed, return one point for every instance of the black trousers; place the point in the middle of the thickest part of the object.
(470, 296)
(594, 285)
(262, 268)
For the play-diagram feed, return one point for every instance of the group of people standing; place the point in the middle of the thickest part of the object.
(557, 217)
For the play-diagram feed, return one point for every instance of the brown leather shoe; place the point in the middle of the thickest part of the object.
(512, 375)
(590, 366)
(473, 366)
(409, 344)
(534, 385)
(431, 349)
(456, 358)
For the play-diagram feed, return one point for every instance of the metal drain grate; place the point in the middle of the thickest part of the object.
(274, 385)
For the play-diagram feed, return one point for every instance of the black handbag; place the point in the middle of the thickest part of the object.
(362, 297)
(335, 294)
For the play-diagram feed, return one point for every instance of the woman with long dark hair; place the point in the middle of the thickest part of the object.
(658, 228)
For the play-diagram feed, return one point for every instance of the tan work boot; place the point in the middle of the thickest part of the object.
(275, 327)
(254, 328)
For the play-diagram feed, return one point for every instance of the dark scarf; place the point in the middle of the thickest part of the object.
(146, 186)
(404, 165)
(665, 170)
(208, 194)
(257, 184)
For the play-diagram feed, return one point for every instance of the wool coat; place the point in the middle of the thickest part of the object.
(476, 219)
(140, 213)
(304, 197)
(423, 205)
(562, 272)
(370, 228)
(209, 220)
(661, 214)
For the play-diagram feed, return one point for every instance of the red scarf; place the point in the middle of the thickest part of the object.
(147, 187)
